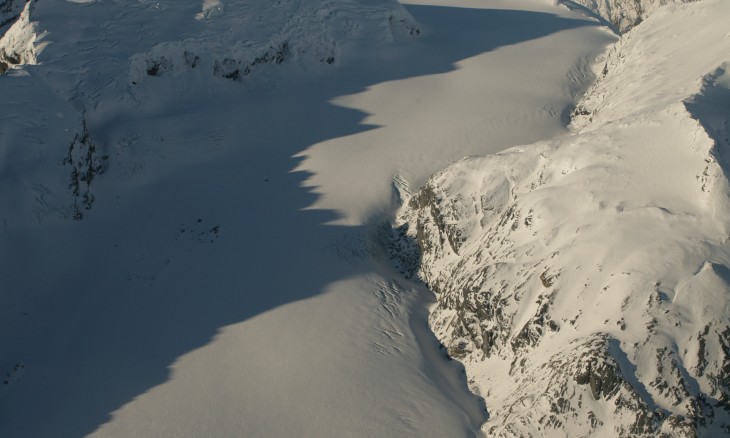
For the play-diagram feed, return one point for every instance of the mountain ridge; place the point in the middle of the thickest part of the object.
(623, 15)
(583, 281)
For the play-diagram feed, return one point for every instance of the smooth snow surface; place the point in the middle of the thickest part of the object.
(225, 275)
(460, 103)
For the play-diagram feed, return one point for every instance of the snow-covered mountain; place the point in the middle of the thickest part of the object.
(192, 200)
(102, 52)
(195, 198)
(584, 281)
(621, 14)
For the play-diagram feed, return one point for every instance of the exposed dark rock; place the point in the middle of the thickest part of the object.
(546, 279)
(600, 371)
(8, 60)
(156, 67)
(227, 68)
(191, 59)
(86, 163)
(235, 69)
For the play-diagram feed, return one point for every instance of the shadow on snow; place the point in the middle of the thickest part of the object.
(237, 242)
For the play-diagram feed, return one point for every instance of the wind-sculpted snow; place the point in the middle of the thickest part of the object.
(584, 282)
(623, 15)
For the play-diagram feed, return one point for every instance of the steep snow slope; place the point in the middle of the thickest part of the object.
(191, 195)
(584, 282)
(622, 14)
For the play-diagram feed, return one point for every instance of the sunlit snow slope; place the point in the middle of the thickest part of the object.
(194, 198)
(584, 281)
(623, 15)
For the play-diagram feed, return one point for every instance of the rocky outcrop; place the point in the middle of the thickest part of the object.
(86, 163)
(309, 36)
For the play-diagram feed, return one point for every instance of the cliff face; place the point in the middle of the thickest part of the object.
(622, 14)
(584, 282)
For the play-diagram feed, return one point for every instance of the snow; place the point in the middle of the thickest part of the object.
(21, 43)
(476, 109)
(191, 251)
(622, 15)
(589, 272)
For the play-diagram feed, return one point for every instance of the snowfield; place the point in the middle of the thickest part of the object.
(584, 281)
(197, 200)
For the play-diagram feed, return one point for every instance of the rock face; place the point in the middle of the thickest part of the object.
(584, 281)
(622, 14)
